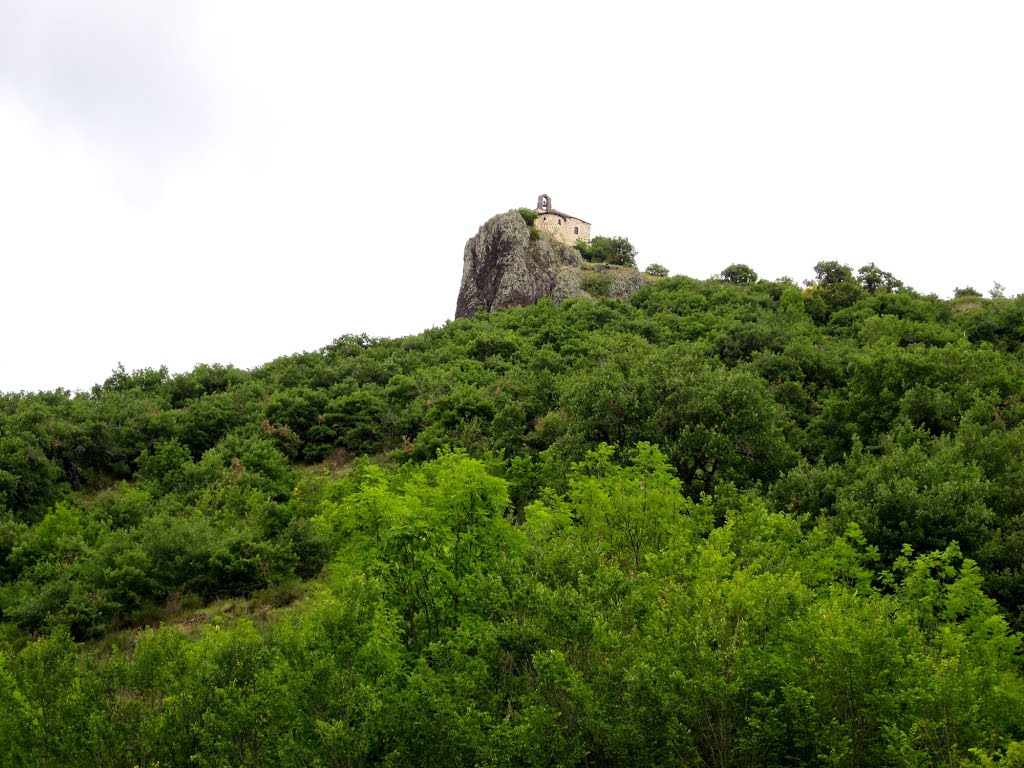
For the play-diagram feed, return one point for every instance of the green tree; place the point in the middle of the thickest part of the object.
(872, 279)
(834, 286)
(634, 510)
(920, 494)
(739, 274)
(609, 250)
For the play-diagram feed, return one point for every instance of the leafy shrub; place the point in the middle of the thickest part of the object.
(529, 216)
(656, 270)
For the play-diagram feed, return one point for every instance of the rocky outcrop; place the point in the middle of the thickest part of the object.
(504, 267)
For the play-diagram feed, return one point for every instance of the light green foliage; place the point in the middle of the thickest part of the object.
(1012, 758)
(750, 643)
(529, 215)
(431, 540)
(846, 559)
(632, 511)
(58, 530)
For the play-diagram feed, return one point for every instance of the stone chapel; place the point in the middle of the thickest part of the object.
(561, 226)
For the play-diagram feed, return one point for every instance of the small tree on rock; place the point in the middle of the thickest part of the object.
(608, 250)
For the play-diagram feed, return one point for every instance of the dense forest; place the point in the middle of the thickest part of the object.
(728, 522)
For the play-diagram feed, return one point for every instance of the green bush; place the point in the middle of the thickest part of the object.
(740, 274)
(968, 291)
(608, 250)
(656, 270)
(529, 215)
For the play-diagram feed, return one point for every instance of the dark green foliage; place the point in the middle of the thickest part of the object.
(206, 420)
(875, 280)
(740, 274)
(656, 270)
(608, 250)
(835, 288)
(714, 424)
(29, 480)
(968, 291)
(999, 323)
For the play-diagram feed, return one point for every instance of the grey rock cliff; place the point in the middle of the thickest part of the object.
(502, 267)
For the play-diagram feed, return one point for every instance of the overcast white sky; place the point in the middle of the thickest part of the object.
(227, 181)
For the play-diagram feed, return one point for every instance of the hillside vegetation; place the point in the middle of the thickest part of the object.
(727, 522)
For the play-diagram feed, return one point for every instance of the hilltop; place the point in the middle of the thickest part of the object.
(510, 263)
(719, 522)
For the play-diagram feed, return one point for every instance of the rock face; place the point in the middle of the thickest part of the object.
(502, 267)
